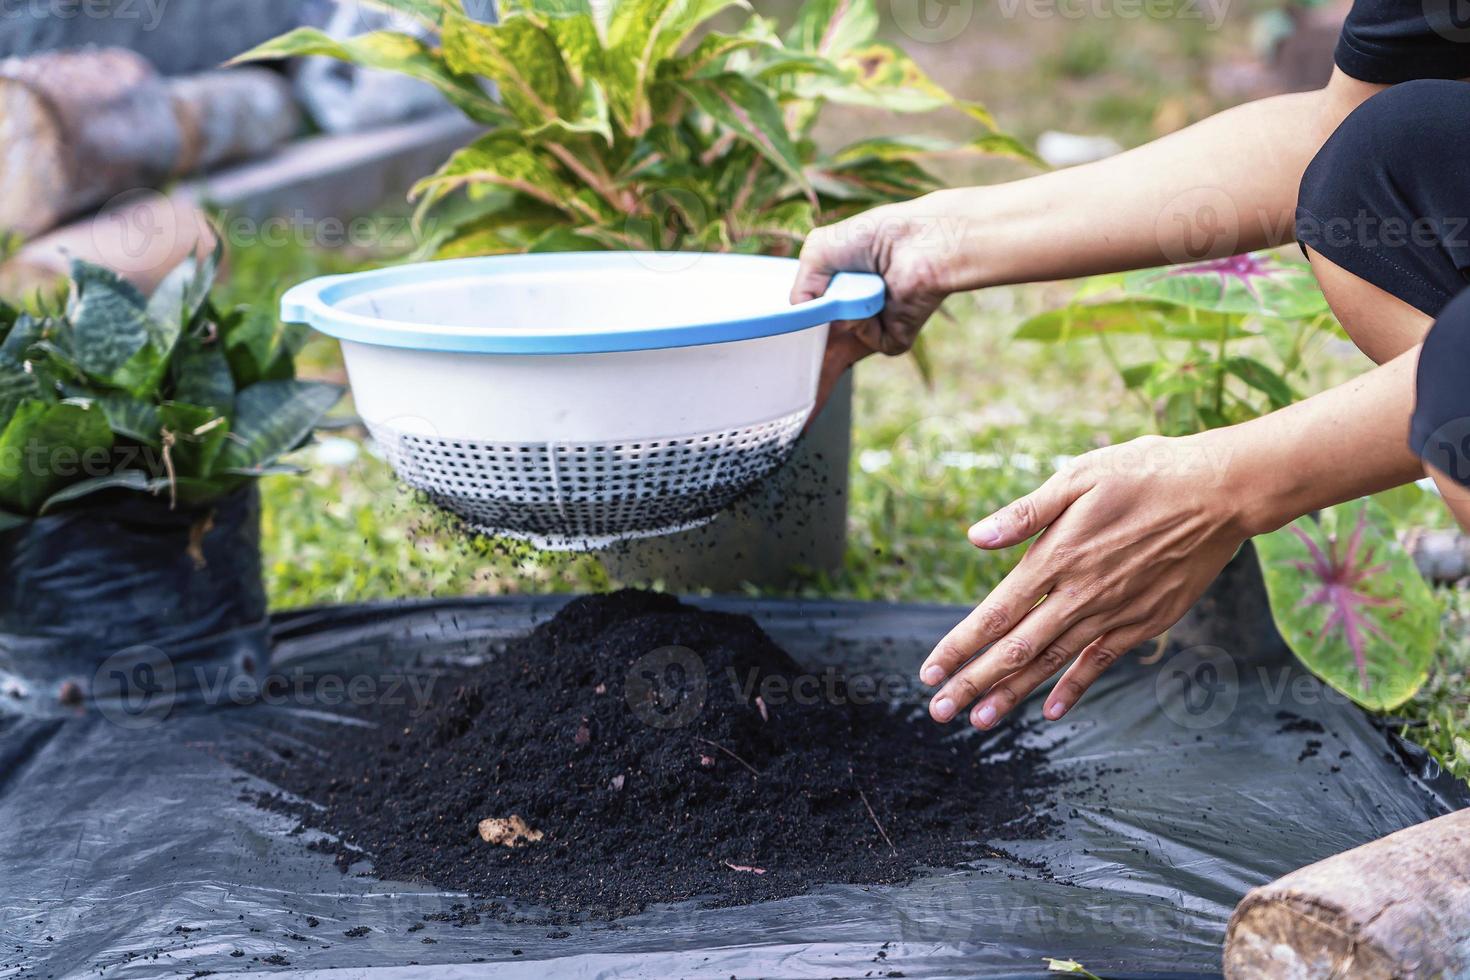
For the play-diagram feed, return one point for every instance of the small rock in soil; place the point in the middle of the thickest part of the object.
(628, 732)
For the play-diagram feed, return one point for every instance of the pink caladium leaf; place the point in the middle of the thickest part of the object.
(1351, 604)
(1259, 283)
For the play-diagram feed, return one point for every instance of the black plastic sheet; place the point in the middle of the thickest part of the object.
(126, 849)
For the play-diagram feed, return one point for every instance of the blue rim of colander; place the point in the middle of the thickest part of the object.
(851, 296)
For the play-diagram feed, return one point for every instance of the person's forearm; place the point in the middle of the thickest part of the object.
(1342, 444)
(1223, 186)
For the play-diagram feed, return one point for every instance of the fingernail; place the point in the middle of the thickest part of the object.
(986, 534)
(1055, 710)
(944, 709)
(985, 717)
(932, 674)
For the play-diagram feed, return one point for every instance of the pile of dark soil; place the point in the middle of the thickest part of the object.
(662, 753)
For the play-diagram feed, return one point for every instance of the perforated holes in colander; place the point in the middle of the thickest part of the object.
(566, 492)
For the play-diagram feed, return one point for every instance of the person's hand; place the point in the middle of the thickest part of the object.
(900, 245)
(1130, 537)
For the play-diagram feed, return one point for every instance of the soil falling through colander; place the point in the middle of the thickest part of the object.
(579, 399)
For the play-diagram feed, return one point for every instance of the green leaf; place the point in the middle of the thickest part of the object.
(882, 76)
(1260, 283)
(521, 57)
(9, 521)
(563, 239)
(577, 38)
(126, 480)
(1130, 316)
(183, 292)
(1213, 419)
(24, 334)
(1263, 379)
(1138, 374)
(109, 320)
(710, 54)
(500, 160)
(1179, 415)
(428, 12)
(747, 109)
(8, 316)
(43, 447)
(641, 35)
(790, 219)
(202, 373)
(274, 417)
(131, 417)
(17, 385)
(198, 436)
(928, 147)
(833, 27)
(591, 117)
(549, 8)
(113, 337)
(489, 238)
(1351, 604)
(873, 181)
(391, 52)
(1408, 505)
(252, 346)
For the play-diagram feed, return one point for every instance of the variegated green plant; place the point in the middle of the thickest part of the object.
(108, 390)
(636, 124)
(1226, 337)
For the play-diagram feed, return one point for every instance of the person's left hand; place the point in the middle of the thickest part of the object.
(1130, 537)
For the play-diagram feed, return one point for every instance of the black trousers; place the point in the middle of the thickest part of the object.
(1388, 199)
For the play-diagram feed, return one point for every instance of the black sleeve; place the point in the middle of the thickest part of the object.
(1391, 41)
(1440, 432)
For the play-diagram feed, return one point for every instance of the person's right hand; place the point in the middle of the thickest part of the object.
(907, 251)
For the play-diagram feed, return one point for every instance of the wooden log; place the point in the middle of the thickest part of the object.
(140, 236)
(77, 127)
(230, 115)
(81, 127)
(1398, 907)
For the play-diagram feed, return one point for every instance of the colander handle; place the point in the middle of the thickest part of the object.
(302, 299)
(850, 296)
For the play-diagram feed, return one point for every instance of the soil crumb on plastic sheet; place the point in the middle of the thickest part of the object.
(644, 751)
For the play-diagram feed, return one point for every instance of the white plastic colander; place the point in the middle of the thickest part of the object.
(578, 399)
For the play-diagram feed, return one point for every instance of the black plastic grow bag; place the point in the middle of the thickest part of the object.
(95, 598)
(128, 850)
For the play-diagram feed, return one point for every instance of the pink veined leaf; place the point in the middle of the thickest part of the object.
(1243, 268)
(1341, 574)
(1347, 597)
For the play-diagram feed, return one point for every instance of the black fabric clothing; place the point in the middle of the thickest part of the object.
(1391, 41)
(1388, 199)
(1388, 195)
(1441, 428)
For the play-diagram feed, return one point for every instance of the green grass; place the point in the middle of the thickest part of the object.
(1439, 715)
